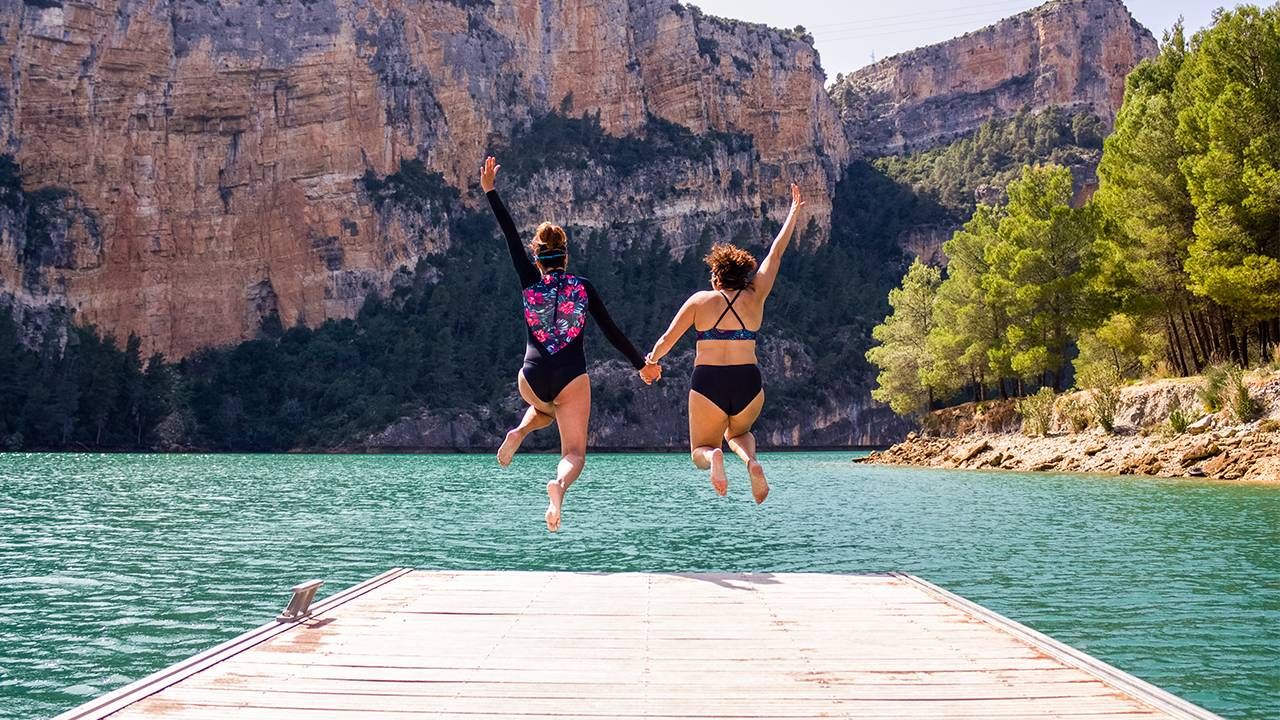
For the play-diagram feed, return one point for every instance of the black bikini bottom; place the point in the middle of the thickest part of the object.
(548, 378)
(730, 387)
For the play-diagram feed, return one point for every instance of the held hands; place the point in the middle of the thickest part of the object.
(489, 173)
(650, 372)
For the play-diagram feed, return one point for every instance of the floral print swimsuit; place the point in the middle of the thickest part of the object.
(555, 309)
(556, 306)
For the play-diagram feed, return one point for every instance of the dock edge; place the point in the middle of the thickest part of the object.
(120, 698)
(1137, 688)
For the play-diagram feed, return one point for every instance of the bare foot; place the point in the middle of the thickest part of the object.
(759, 486)
(555, 495)
(719, 480)
(510, 445)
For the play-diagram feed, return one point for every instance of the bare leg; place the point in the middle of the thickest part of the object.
(706, 457)
(538, 415)
(743, 444)
(707, 424)
(573, 412)
(533, 420)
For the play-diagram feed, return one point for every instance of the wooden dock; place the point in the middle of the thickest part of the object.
(415, 644)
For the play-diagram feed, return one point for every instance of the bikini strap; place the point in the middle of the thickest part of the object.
(729, 309)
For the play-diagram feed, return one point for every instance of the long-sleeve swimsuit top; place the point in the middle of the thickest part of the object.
(556, 306)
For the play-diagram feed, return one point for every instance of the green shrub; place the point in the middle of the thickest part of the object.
(1075, 412)
(1181, 418)
(1213, 386)
(1124, 343)
(1103, 384)
(1037, 412)
(1238, 400)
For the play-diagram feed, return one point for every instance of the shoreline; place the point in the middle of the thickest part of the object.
(436, 451)
(1224, 458)
(1215, 446)
(1083, 474)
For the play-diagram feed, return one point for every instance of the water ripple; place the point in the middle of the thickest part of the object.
(112, 567)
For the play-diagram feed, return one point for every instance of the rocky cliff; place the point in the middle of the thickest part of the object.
(199, 164)
(202, 172)
(1072, 54)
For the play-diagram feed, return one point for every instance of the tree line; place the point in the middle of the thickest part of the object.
(79, 389)
(1172, 265)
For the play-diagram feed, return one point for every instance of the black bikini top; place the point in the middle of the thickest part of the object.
(715, 333)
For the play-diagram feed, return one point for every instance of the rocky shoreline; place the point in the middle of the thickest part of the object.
(1214, 446)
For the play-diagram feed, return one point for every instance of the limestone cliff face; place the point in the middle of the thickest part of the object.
(201, 161)
(184, 170)
(1069, 53)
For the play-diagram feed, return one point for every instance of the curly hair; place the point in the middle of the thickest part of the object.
(731, 266)
(550, 246)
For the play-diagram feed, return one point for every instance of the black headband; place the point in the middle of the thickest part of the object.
(549, 254)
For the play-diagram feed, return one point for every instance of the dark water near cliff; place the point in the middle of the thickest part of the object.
(112, 567)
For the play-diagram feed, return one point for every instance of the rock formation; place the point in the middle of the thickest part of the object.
(1216, 445)
(206, 156)
(190, 171)
(1073, 54)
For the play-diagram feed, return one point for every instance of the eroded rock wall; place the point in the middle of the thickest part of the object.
(214, 149)
(1074, 54)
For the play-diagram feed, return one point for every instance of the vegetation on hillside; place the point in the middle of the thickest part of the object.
(1173, 266)
(79, 391)
(558, 141)
(994, 155)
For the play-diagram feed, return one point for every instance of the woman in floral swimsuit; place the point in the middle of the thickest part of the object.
(554, 378)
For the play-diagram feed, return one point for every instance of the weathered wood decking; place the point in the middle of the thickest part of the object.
(414, 644)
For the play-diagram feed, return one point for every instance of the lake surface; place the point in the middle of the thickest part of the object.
(112, 567)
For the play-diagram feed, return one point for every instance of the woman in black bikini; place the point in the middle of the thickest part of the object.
(554, 378)
(726, 392)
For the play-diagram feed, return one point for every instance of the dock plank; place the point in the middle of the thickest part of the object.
(418, 645)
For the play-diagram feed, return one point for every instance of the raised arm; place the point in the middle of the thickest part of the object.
(680, 324)
(519, 258)
(768, 273)
(610, 329)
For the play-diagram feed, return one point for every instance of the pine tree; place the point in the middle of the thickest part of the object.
(1150, 218)
(1230, 124)
(971, 316)
(1043, 263)
(902, 355)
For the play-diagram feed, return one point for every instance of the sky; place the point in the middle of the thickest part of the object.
(852, 33)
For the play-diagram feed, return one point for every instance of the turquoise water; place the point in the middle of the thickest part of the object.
(112, 567)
